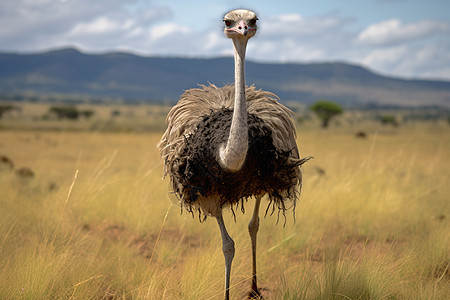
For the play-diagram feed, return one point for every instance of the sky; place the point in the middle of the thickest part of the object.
(400, 38)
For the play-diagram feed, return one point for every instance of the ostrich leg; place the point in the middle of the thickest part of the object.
(228, 252)
(253, 230)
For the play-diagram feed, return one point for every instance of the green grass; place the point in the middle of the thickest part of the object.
(97, 221)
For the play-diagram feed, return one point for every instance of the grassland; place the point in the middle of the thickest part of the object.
(97, 221)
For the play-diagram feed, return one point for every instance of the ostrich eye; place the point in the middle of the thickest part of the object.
(252, 22)
(227, 22)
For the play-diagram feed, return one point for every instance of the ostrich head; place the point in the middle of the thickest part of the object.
(240, 23)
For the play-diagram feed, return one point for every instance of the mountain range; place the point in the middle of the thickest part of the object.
(155, 79)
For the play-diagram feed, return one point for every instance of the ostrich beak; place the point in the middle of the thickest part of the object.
(242, 28)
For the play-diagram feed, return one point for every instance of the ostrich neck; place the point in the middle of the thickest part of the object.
(233, 153)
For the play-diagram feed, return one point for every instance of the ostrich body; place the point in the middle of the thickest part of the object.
(225, 145)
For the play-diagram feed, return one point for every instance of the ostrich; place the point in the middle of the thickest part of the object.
(225, 145)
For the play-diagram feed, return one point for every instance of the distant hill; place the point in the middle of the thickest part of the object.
(127, 76)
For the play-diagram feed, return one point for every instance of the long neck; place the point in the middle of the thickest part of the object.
(233, 153)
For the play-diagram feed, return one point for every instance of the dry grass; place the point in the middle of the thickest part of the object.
(97, 222)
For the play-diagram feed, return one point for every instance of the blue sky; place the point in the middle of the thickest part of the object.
(406, 38)
(364, 12)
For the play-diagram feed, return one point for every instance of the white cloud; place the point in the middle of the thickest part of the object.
(296, 38)
(430, 61)
(295, 25)
(214, 42)
(28, 25)
(386, 58)
(420, 49)
(100, 26)
(167, 30)
(395, 32)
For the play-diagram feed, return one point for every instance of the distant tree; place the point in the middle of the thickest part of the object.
(388, 120)
(5, 108)
(65, 112)
(115, 113)
(326, 110)
(87, 113)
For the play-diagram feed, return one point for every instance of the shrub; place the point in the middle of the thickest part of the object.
(87, 113)
(65, 112)
(388, 120)
(5, 108)
(115, 113)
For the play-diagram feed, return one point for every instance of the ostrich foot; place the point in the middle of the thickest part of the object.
(254, 294)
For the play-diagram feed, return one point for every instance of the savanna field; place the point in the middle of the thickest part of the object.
(85, 214)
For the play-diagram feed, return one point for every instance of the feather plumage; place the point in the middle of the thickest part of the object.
(265, 114)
